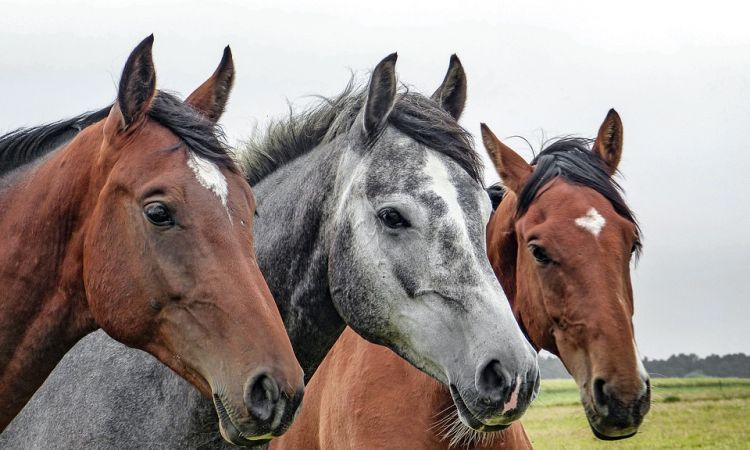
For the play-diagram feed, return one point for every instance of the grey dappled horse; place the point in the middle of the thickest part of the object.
(371, 214)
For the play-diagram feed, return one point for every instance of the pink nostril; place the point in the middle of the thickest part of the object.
(513, 401)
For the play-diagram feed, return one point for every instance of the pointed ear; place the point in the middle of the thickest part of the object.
(511, 167)
(211, 97)
(381, 95)
(451, 95)
(137, 85)
(608, 144)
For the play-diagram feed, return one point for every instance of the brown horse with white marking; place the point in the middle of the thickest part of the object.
(142, 225)
(561, 242)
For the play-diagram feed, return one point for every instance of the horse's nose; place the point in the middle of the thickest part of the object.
(617, 411)
(271, 406)
(261, 396)
(493, 383)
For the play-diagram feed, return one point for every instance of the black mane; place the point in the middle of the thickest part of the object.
(415, 115)
(200, 135)
(572, 160)
(25, 145)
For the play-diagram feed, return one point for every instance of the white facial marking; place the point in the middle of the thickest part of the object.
(592, 222)
(444, 188)
(209, 176)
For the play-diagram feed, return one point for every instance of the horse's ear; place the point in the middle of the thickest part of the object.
(137, 86)
(381, 95)
(211, 97)
(511, 167)
(608, 143)
(451, 95)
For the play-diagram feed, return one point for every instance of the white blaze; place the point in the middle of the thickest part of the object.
(209, 176)
(444, 188)
(592, 222)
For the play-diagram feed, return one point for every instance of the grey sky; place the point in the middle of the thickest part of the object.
(677, 72)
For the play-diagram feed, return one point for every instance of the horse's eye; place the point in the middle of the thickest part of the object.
(158, 214)
(539, 254)
(636, 246)
(392, 218)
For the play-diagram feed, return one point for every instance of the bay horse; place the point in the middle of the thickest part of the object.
(371, 214)
(141, 225)
(562, 253)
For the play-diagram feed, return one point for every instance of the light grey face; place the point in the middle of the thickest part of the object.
(409, 270)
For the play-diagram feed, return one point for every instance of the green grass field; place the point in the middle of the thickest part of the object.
(685, 413)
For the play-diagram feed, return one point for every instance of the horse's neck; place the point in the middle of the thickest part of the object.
(42, 305)
(290, 243)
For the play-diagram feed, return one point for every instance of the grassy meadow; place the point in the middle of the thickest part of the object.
(685, 413)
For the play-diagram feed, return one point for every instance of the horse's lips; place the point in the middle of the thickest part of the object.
(468, 418)
(229, 431)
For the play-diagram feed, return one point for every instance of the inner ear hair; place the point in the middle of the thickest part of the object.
(381, 95)
(609, 141)
(137, 86)
(451, 95)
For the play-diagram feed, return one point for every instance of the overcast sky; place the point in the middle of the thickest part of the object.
(677, 72)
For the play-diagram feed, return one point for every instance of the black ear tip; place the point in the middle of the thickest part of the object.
(455, 60)
(484, 127)
(226, 57)
(148, 42)
(390, 58)
(613, 117)
(144, 47)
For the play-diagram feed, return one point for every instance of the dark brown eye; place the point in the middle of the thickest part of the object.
(392, 218)
(158, 214)
(539, 254)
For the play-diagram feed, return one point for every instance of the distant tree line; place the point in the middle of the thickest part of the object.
(682, 365)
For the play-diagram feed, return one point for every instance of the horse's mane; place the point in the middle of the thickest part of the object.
(25, 145)
(200, 135)
(415, 115)
(573, 160)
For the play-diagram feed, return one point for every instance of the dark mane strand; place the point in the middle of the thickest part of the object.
(24, 145)
(201, 136)
(572, 160)
(415, 115)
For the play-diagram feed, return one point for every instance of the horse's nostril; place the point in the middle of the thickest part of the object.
(600, 397)
(271, 389)
(261, 396)
(492, 383)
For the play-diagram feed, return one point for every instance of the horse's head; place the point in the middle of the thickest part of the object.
(168, 256)
(561, 242)
(408, 265)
